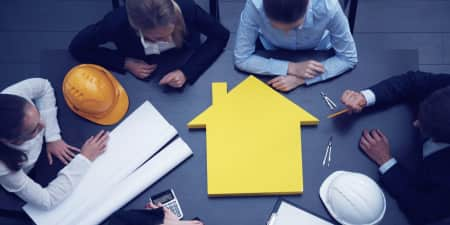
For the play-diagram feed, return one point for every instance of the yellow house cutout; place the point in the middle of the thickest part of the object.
(253, 140)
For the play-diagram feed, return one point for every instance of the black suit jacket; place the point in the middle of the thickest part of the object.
(137, 217)
(423, 197)
(115, 28)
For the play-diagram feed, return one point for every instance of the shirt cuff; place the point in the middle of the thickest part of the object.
(314, 80)
(387, 165)
(369, 96)
(52, 138)
(278, 67)
(79, 165)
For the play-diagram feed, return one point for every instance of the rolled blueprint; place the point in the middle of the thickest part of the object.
(146, 175)
(133, 142)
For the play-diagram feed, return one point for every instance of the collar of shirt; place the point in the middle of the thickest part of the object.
(151, 48)
(309, 18)
(431, 147)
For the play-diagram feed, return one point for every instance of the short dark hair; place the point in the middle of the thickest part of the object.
(12, 113)
(434, 115)
(285, 11)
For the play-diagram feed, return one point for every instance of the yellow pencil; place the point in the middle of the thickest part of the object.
(334, 115)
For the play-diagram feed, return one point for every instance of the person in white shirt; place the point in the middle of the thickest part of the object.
(28, 117)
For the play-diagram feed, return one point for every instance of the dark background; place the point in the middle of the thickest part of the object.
(29, 28)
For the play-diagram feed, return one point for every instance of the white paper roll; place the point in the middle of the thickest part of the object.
(146, 175)
(131, 143)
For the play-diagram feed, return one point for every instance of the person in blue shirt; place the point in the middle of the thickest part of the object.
(294, 25)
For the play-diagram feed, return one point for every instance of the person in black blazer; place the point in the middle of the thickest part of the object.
(147, 30)
(152, 215)
(424, 197)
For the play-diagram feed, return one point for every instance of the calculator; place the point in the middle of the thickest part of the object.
(169, 200)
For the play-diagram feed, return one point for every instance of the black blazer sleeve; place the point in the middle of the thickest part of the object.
(137, 217)
(421, 201)
(85, 47)
(411, 87)
(216, 39)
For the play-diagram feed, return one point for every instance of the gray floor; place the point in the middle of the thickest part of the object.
(28, 27)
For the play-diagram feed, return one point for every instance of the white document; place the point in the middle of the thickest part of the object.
(162, 163)
(290, 215)
(131, 143)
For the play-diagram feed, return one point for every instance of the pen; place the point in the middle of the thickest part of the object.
(334, 115)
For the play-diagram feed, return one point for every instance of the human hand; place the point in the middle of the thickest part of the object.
(286, 83)
(170, 218)
(305, 70)
(376, 145)
(174, 79)
(60, 150)
(95, 146)
(139, 68)
(354, 101)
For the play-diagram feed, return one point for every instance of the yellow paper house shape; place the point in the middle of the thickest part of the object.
(253, 140)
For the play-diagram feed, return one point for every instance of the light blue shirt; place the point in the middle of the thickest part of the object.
(325, 27)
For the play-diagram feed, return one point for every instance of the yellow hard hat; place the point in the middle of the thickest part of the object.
(93, 93)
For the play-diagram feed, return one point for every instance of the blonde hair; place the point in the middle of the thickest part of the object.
(149, 14)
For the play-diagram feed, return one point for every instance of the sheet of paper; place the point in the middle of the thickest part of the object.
(290, 215)
(133, 142)
(158, 166)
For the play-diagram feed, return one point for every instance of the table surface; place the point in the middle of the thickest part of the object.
(179, 107)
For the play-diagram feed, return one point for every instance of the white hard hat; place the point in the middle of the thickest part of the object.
(353, 198)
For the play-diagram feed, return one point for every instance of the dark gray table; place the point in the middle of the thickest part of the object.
(179, 107)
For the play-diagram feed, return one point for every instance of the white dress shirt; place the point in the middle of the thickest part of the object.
(155, 48)
(39, 92)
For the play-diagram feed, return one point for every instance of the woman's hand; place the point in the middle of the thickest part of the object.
(139, 68)
(95, 146)
(60, 150)
(174, 79)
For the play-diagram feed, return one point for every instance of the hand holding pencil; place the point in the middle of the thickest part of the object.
(354, 102)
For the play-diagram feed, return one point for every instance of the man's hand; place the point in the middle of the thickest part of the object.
(286, 83)
(139, 68)
(354, 101)
(174, 79)
(376, 146)
(306, 70)
(60, 150)
(170, 218)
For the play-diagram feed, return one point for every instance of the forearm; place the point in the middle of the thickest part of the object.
(59, 189)
(105, 57)
(85, 47)
(262, 66)
(334, 66)
(411, 86)
(204, 57)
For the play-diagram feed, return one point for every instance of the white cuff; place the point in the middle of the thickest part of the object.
(369, 96)
(387, 165)
(79, 165)
(53, 138)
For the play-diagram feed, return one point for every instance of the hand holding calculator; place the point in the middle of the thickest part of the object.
(169, 200)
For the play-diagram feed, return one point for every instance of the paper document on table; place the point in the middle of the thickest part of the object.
(134, 141)
(289, 214)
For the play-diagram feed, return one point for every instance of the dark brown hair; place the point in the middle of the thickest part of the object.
(285, 11)
(434, 115)
(12, 112)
